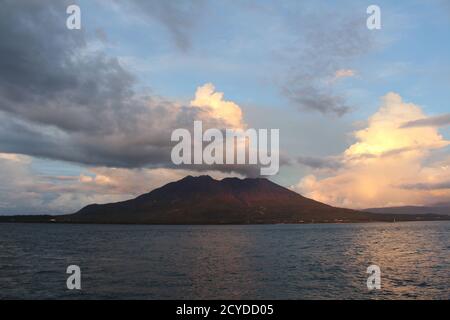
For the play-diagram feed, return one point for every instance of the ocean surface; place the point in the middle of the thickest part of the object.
(321, 261)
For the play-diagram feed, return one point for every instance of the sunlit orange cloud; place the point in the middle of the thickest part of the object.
(343, 73)
(386, 165)
(215, 107)
(14, 157)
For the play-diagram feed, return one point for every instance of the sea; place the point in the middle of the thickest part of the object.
(305, 261)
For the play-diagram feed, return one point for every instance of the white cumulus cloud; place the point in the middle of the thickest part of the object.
(387, 165)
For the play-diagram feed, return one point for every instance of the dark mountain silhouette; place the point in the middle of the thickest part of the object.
(203, 200)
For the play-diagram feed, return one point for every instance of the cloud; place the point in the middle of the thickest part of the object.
(28, 192)
(216, 107)
(332, 39)
(427, 186)
(13, 157)
(104, 185)
(179, 18)
(320, 163)
(15, 193)
(437, 121)
(343, 73)
(56, 80)
(313, 98)
(387, 165)
(62, 100)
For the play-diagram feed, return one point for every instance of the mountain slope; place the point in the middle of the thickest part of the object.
(203, 200)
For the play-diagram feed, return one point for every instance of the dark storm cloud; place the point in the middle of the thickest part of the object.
(72, 104)
(47, 74)
(326, 42)
(60, 99)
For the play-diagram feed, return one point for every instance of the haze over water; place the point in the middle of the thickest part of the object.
(327, 261)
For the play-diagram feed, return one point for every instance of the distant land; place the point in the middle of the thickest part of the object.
(412, 210)
(204, 200)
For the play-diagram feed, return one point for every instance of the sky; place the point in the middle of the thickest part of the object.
(86, 115)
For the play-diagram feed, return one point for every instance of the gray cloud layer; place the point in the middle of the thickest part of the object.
(427, 186)
(327, 43)
(437, 121)
(61, 100)
(320, 163)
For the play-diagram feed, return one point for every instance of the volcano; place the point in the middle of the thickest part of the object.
(204, 200)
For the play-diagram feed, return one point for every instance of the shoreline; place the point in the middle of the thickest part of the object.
(222, 224)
